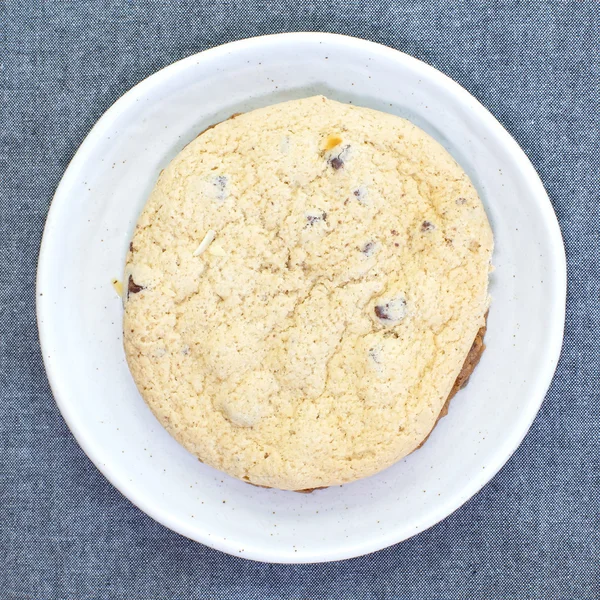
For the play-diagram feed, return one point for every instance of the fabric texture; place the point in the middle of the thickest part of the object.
(532, 533)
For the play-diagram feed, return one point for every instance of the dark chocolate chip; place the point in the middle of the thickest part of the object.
(312, 219)
(381, 312)
(427, 226)
(360, 193)
(368, 249)
(133, 287)
(220, 185)
(392, 311)
(337, 163)
(375, 356)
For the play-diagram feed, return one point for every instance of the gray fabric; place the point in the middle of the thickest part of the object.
(65, 532)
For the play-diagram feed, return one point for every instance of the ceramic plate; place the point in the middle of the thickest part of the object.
(79, 313)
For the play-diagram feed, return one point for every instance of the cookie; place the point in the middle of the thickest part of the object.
(303, 288)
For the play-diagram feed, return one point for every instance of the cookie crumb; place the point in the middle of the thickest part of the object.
(118, 287)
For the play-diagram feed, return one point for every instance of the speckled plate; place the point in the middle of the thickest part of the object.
(79, 313)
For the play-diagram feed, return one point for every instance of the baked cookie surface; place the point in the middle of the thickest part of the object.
(302, 289)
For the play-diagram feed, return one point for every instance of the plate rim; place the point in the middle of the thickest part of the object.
(499, 457)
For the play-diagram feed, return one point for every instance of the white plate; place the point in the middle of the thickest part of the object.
(79, 314)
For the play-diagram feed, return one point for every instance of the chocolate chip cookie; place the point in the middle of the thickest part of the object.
(303, 288)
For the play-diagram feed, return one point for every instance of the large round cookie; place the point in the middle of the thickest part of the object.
(302, 289)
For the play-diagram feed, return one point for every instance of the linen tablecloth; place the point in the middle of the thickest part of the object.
(65, 532)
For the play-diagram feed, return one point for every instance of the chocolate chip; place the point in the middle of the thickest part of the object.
(427, 226)
(315, 218)
(369, 249)
(392, 311)
(381, 311)
(375, 355)
(394, 232)
(130, 246)
(133, 287)
(360, 193)
(220, 183)
(337, 163)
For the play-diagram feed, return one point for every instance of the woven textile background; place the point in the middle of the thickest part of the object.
(65, 532)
